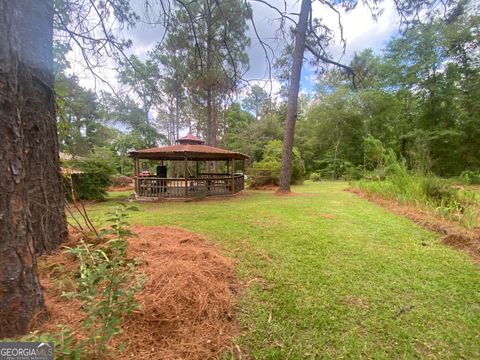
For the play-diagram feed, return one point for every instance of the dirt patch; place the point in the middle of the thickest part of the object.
(322, 215)
(357, 302)
(453, 235)
(267, 187)
(186, 305)
(270, 221)
(274, 189)
(130, 187)
(285, 193)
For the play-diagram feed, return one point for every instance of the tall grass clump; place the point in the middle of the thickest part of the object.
(396, 182)
(425, 190)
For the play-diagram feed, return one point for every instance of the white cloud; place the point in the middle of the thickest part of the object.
(360, 32)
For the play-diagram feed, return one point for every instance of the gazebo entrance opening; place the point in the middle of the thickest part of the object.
(182, 171)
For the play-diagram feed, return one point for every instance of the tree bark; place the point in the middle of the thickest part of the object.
(177, 115)
(210, 94)
(338, 138)
(44, 181)
(294, 86)
(32, 217)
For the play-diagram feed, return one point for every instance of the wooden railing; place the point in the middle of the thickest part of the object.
(239, 183)
(213, 185)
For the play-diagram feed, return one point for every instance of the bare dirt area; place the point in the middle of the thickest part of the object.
(452, 234)
(274, 189)
(186, 304)
(267, 187)
(286, 193)
(129, 187)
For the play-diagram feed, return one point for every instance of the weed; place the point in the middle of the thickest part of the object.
(469, 218)
(428, 191)
(106, 283)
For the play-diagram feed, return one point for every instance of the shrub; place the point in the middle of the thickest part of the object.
(95, 180)
(267, 171)
(437, 189)
(374, 153)
(352, 172)
(316, 176)
(469, 177)
(106, 284)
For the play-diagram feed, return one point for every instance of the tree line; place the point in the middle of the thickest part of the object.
(417, 97)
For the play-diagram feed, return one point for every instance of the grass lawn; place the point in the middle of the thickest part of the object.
(331, 275)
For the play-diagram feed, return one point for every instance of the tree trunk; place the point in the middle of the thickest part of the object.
(209, 107)
(294, 86)
(45, 183)
(338, 138)
(210, 95)
(177, 116)
(32, 217)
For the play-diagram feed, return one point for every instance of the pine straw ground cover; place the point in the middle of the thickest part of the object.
(186, 304)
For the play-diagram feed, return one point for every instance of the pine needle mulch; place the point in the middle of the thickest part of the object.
(186, 304)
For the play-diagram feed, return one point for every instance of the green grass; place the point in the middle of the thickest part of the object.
(357, 283)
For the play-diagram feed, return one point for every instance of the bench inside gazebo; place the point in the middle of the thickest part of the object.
(188, 157)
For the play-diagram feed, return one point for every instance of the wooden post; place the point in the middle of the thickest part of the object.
(243, 176)
(136, 172)
(233, 176)
(186, 182)
(228, 166)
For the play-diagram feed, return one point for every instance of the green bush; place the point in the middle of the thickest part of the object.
(352, 172)
(330, 169)
(437, 190)
(469, 177)
(315, 176)
(106, 283)
(374, 153)
(96, 178)
(267, 171)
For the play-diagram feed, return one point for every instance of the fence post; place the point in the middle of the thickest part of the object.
(186, 182)
(233, 176)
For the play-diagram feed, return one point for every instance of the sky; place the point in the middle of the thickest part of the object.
(359, 29)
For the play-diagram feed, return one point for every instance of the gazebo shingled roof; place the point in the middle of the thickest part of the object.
(190, 139)
(189, 151)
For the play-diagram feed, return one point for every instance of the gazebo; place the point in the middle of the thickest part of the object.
(193, 156)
